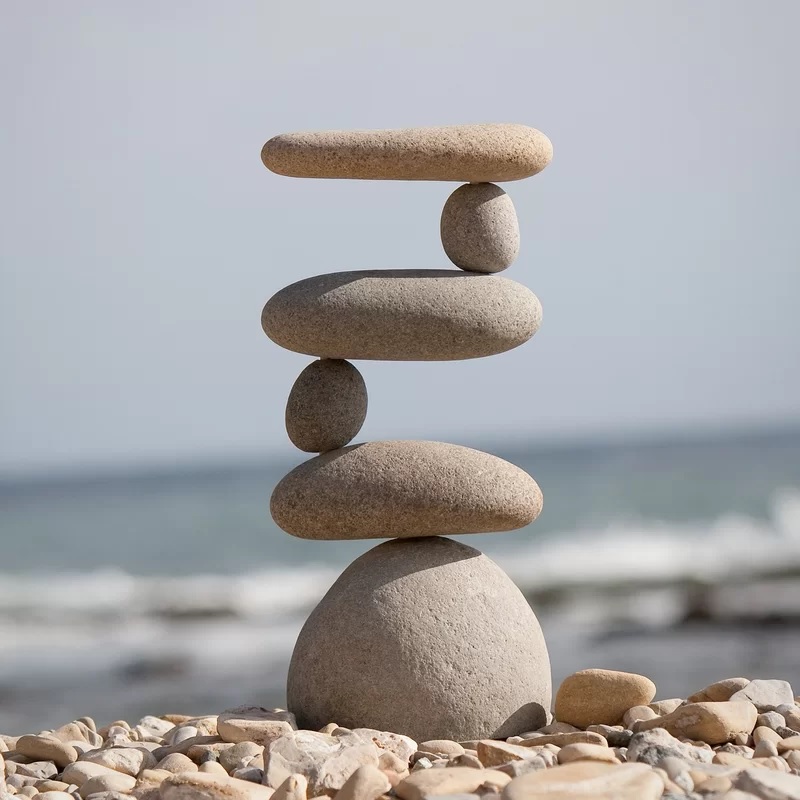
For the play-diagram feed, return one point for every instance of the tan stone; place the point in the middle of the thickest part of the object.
(591, 780)
(200, 786)
(638, 714)
(113, 782)
(54, 794)
(716, 785)
(662, 707)
(176, 763)
(564, 739)
(765, 695)
(479, 228)
(47, 748)
(254, 724)
(366, 783)
(442, 747)
(466, 153)
(792, 743)
(241, 755)
(402, 315)
(81, 771)
(600, 696)
(129, 760)
(294, 787)
(764, 734)
(408, 611)
(448, 780)
(213, 768)
(404, 489)
(148, 784)
(493, 753)
(586, 752)
(327, 406)
(714, 723)
(719, 691)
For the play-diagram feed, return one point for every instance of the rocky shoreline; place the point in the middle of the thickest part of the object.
(737, 738)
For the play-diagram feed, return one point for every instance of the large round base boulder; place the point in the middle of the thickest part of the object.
(424, 637)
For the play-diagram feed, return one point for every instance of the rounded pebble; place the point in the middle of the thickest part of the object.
(404, 489)
(479, 228)
(402, 315)
(601, 696)
(373, 652)
(327, 406)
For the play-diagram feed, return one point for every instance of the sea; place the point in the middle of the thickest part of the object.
(172, 591)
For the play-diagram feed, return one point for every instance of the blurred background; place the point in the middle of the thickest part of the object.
(141, 411)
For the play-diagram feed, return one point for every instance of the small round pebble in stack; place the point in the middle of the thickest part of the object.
(421, 634)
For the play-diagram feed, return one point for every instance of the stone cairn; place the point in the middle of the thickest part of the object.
(421, 635)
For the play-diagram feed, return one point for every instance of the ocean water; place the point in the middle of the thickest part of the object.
(125, 594)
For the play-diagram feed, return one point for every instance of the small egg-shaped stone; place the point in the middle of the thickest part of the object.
(327, 406)
(479, 228)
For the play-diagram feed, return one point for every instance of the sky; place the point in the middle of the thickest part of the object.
(142, 235)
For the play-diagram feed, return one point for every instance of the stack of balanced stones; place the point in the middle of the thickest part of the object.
(421, 635)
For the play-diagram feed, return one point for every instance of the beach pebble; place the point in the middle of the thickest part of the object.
(601, 696)
(402, 315)
(766, 695)
(242, 754)
(154, 726)
(42, 770)
(479, 228)
(662, 707)
(55, 795)
(448, 780)
(199, 786)
(765, 749)
(442, 747)
(615, 735)
(130, 760)
(719, 691)
(590, 780)
(180, 733)
(586, 752)
(563, 739)
(252, 774)
(492, 753)
(638, 714)
(652, 747)
(366, 783)
(47, 748)
(212, 768)
(326, 761)
(82, 771)
(557, 727)
(176, 763)
(768, 784)
(254, 724)
(464, 153)
(404, 489)
(771, 719)
(294, 787)
(714, 723)
(386, 741)
(792, 743)
(327, 406)
(113, 782)
(374, 621)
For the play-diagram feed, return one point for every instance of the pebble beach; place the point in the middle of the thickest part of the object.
(607, 739)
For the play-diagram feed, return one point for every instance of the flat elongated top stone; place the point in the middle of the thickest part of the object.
(404, 489)
(466, 153)
(402, 315)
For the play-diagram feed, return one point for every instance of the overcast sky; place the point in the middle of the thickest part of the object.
(141, 234)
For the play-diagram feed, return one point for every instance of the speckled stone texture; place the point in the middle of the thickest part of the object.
(465, 153)
(402, 315)
(428, 638)
(479, 228)
(404, 489)
(327, 406)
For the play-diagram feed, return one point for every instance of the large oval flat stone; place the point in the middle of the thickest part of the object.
(402, 315)
(466, 153)
(404, 489)
(425, 637)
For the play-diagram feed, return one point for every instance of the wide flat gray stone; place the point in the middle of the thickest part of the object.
(404, 489)
(402, 315)
(424, 637)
